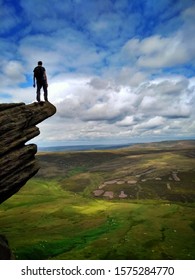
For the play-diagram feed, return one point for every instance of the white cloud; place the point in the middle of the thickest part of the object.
(129, 76)
(149, 103)
(167, 98)
(9, 18)
(157, 108)
(110, 71)
(160, 50)
(157, 51)
(14, 71)
(151, 123)
(85, 100)
(127, 121)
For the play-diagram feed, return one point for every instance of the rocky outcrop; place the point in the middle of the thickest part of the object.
(17, 160)
(5, 251)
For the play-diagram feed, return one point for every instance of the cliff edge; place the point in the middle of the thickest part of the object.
(17, 160)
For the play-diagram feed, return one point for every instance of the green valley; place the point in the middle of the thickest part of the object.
(131, 203)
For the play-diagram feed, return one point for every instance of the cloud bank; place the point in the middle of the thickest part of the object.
(118, 71)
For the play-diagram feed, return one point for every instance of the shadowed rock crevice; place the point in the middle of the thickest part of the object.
(17, 160)
(5, 252)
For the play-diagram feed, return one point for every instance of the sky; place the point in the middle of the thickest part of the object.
(119, 71)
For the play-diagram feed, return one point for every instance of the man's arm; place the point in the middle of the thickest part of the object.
(45, 77)
(34, 80)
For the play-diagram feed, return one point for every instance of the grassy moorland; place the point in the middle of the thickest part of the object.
(132, 203)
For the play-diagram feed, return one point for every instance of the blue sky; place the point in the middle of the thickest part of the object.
(119, 71)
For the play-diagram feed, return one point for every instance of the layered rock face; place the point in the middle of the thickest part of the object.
(17, 160)
(5, 251)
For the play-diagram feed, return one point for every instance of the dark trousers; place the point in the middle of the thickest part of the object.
(40, 85)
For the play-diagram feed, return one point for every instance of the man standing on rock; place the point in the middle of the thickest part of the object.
(41, 80)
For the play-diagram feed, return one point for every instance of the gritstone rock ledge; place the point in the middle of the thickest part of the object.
(17, 160)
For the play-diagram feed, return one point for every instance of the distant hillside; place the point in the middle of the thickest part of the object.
(135, 202)
(164, 170)
(81, 148)
(176, 144)
(152, 145)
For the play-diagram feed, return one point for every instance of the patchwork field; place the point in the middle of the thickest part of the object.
(132, 203)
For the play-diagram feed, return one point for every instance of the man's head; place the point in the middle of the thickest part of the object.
(40, 63)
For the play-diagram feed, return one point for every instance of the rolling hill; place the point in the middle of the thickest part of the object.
(135, 202)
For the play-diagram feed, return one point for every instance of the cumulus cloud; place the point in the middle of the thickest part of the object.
(151, 123)
(127, 121)
(123, 71)
(14, 71)
(157, 51)
(95, 108)
(9, 18)
(130, 76)
(12, 74)
(167, 98)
